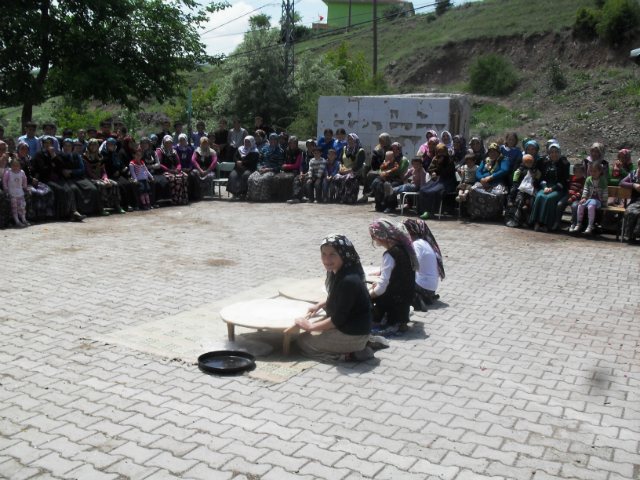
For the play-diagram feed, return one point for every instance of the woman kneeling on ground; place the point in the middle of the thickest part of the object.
(394, 293)
(430, 260)
(345, 333)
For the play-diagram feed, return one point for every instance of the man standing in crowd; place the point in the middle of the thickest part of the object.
(236, 138)
(105, 131)
(196, 136)
(166, 130)
(260, 125)
(30, 139)
(177, 126)
(222, 140)
(81, 139)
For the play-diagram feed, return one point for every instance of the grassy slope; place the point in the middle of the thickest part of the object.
(412, 37)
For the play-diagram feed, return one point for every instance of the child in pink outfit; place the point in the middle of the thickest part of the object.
(14, 181)
(141, 177)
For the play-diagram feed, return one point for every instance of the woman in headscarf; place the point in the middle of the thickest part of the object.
(487, 197)
(632, 213)
(117, 166)
(459, 151)
(283, 140)
(424, 148)
(346, 331)
(43, 200)
(269, 165)
(172, 170)
(621, 169)
(430, 260)
(153, 141)
(261, 140)
(300, 176)
(185, 156)
(443, 180)
(348, 179)
(477, 148)
(5, 198)
(447, 139)
(596, 154)
(429, 152)
(391, 174)
(283, 181)
(246, 159)
(63, 189)
(393, 294)
(204, 161)
(97, 174)
(88, 199)
(160, 188)
(377, 159)
(554, 183)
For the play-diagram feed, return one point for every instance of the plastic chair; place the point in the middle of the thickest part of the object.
(221, 167)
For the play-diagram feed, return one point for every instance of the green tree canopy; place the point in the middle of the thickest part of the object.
(260, 20)
(114, 51)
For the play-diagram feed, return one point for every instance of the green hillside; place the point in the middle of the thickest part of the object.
(410, 39)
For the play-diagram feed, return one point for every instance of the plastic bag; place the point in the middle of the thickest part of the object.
(526, 185)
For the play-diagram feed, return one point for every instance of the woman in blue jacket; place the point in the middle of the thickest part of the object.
(487, 197)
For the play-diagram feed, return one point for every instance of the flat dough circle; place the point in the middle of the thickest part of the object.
(310, 290)
(368, 271)
(270, 314)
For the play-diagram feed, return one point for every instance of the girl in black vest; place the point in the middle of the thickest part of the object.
(393, 294)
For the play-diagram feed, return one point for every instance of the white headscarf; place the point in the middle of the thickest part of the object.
(245, 151)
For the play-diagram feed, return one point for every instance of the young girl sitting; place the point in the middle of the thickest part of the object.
(430, 260)
(15, 182)
(594, 195)
(141, 176)
(393, 294)
(522, 193)
(468, 177)
(574, 194)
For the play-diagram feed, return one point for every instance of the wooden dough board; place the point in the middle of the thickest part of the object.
(276, 314)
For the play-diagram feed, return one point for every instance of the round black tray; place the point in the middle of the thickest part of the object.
(226, 361)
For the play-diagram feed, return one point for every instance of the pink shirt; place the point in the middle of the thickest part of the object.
(14, 183)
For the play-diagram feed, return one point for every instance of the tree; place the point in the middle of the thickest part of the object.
(442, 6)
(201, 104)
(355, 72)
(114, 51)
(261, 20)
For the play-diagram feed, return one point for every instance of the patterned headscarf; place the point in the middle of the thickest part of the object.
(537, 147)
(204, 151)
(450, 144)
(168, 152)
(245, 151)
(269, 147)
(420, 229)
(391, 230)
(483, 152)
(616, 168)
(463, 143)
(92, 156)
(399, 147)
(22, 144)
(348, 254)
(433, 134)
(356, 147)
(491, 163)
(598, 146)
(179, 147)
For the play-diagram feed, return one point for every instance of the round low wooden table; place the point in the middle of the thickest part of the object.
(277, 314)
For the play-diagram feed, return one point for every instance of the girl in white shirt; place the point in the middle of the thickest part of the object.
(431, 266)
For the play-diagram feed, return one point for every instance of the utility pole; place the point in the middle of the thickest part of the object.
(288, 14)
(375, 37)
(349, 22)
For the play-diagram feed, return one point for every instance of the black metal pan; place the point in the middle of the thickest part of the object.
(226, 361)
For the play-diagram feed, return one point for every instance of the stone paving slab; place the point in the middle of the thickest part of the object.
(527, 368)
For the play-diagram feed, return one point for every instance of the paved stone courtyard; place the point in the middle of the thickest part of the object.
(527, 369)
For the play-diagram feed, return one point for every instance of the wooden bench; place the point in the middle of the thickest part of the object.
(625, 195)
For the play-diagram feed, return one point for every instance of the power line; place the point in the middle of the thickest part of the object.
(325, 34)
(237, 18)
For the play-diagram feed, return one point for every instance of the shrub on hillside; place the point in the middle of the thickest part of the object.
(394, 11)
(492, 75)
(556, 78)
(619, 18)
(586, 23)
